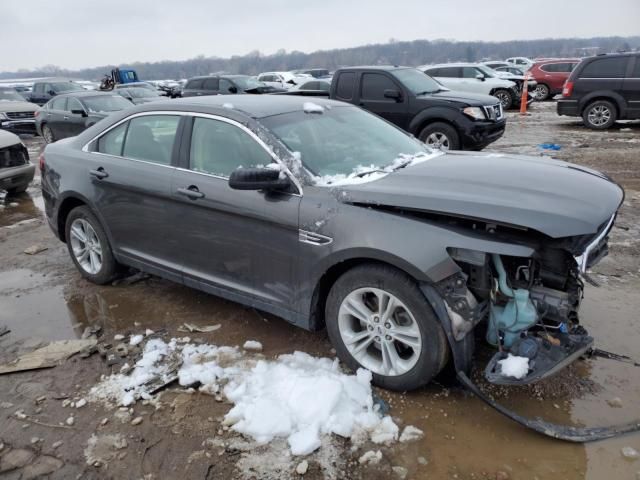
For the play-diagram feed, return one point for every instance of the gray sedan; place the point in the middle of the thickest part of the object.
(328, 216)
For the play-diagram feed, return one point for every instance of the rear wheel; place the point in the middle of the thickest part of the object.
(47, 134)
(89, 246)
(441, 136)
(599, 115)
(541, 92)
(378, 319)
(505, 97)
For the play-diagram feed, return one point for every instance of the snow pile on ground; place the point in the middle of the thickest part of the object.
(297, 396)
(513, 366)
(360, 175)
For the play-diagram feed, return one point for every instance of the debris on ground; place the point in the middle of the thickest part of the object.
(101, 449)
(190, 328)
(136, 339)
(302, 467)
(131, 279)
(4, 330)
(615, 402)
(630, 453)
(411, 433)
(47, 356)
(370, 458)
(252, 345)
(35, 249)
(401, 472)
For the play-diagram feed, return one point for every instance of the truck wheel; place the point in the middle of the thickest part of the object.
(441, 136)
(89, 246)
(505, 97)
(599, 115)
(378, 319)
(541, 92)
(47, 134)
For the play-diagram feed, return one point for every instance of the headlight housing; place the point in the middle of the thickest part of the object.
(3, 116)
(474, 112)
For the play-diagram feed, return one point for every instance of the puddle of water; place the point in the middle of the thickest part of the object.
(29, 205)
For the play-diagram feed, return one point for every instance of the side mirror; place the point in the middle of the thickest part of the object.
(52, 93)
(82, 113)
(394, 94)
(258, 179)
(233, 89)
(480, 77)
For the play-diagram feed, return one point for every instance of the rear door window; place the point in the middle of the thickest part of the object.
(346, 85)
(470, 72)
(151, 138)
(111, 142)
(194, 84)
(219, 148)
(59, 103)
(450, 72)
(211, 84)
(374, 85)
(613, 67)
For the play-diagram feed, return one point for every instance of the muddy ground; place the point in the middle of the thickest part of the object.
(43, 298)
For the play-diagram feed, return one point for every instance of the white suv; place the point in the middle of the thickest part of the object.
(469, 77)
(284, 80)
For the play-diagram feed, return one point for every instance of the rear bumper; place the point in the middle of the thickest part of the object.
(15, 177)
(19, 126)
(568, 108)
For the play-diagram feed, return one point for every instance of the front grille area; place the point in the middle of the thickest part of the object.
(20, 115)
(13, 156)
(494, 112)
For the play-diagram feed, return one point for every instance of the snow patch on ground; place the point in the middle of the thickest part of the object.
(360, 175)
(296, 397)
(513, 366)
(252, 345)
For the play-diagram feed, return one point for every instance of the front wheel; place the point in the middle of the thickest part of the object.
(599, 115)
(378, 319)
(505, 97)
(89, 246)
(441, 136)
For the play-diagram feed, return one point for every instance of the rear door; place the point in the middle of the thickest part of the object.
(211, 86)
(234, 242)
(373, 86)
(450, 77)
(193, 88)
(74, 122)
(130, 168)
(56, 114)
(471, 81)
(631, 88)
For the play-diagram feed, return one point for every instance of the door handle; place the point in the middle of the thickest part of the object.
(99, 173)
(191, 192)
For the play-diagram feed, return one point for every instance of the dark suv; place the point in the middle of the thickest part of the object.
(225, 85)
(45, 90)
(603, 89)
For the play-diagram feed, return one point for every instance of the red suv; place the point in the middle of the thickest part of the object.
(551, 73)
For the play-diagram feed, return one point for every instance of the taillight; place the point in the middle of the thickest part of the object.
(567, 90)
(41, 162)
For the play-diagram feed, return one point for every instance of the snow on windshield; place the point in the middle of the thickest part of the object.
(362, 174)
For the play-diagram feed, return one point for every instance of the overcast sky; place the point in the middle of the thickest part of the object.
(85, 33)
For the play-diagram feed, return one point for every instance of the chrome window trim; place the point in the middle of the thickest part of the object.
(211, 116)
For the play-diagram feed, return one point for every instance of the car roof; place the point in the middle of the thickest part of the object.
(255, 106)
(456, 64)
(53, 79)
(376, 67)
(86, 93)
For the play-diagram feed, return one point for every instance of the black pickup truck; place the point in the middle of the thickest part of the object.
(418, 104)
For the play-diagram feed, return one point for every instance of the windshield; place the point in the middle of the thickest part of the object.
(10, 94)
(416, 81)
(342, 141)
(247, 83)
(106, 103)
(66, 87)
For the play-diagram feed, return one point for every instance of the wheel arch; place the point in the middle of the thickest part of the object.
(432, 115)
(611, 97)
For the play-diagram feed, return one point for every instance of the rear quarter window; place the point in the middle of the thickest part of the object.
(194, 84)
(614, 67)
(346, 85)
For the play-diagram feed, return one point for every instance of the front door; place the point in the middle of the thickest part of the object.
(240, 244)
(56, 114)
(74, 123)
(374, 88)
(130, 170)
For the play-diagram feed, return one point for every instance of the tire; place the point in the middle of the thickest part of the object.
(440, 135)
(88, 224)
(505, 97)
(599, 115)
(47, 134)
(366, 286)
(541, 92)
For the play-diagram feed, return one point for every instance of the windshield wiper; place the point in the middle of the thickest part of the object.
(369, 172)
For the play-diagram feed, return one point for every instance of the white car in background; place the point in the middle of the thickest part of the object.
(522, 62)
(286, 80)
(474, 78)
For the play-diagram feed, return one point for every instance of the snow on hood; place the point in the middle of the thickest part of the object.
(310, 107)
(358, 175)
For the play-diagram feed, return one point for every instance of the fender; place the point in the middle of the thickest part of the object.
(614, 97)
(433, 114)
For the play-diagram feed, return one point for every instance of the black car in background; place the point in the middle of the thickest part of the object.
(603, 89)
(225, 85)
(418, 104)
(70, 114)
(139, 95)
(45, 90)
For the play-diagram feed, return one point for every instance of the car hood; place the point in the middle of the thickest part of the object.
(17, 106)
(555, 198)
(471, 99)
(8, 139)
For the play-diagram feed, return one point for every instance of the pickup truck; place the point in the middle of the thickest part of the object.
(420, 105)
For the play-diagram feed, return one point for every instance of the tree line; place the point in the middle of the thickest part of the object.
(412, 53)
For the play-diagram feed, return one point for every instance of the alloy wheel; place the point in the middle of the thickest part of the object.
(379, 331)
(438, 140)
(540, 92)
(47, 134)
(599, 115)
(504, 98)
(86, 246)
